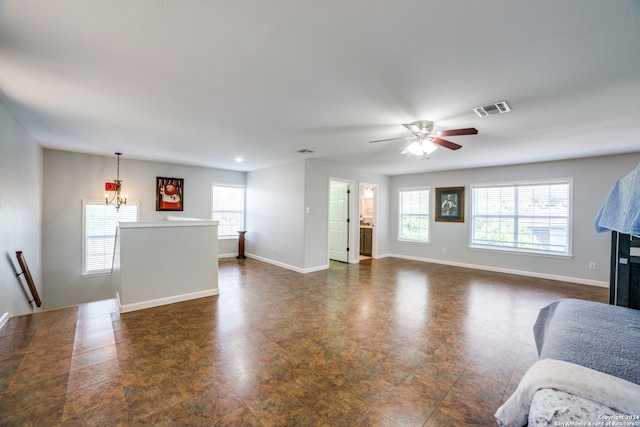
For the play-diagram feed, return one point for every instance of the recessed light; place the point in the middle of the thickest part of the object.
(239, 159)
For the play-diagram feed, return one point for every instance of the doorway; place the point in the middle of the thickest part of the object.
(339, 201)
(367, 205)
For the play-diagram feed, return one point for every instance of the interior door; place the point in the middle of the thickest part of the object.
(339, 220)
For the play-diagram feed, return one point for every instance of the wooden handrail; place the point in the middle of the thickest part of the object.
(28, 278)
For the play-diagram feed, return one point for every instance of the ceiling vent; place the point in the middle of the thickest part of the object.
(497, 108)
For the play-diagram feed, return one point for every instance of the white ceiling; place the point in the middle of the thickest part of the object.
(201, 82)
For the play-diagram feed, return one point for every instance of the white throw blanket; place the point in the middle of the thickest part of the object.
(618, 394)
(621, 210)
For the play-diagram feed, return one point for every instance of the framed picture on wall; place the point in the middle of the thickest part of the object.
(450, 204)
(169, 194)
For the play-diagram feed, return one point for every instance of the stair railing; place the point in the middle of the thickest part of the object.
(27, 276)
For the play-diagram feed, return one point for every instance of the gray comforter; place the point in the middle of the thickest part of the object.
(598, 336)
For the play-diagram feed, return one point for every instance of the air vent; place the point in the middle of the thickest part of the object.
(497, 108)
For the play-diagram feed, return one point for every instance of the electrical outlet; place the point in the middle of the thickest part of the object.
(592, 266)
(444, 250)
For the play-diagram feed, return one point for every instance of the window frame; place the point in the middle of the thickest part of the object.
(243, 211)
(516, 250)
(97, 202)
(427, 214)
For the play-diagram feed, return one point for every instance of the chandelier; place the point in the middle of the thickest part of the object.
(115, 186)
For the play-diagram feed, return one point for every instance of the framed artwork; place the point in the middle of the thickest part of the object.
(169, 194)
(450, 204)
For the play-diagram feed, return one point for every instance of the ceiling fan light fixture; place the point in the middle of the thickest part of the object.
(425, 140)
(428, 146)
(420, 148)
(415, 148)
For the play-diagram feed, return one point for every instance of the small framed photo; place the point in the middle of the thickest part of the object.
(169, 194)
(450, 204)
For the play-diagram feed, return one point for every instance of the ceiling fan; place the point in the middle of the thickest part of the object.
(426, 141)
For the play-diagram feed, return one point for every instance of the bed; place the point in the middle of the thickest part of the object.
(589, 369)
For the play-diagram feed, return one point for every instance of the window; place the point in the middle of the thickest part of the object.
(414, 214)
(99, 231)
(528, 217)
(228, 208)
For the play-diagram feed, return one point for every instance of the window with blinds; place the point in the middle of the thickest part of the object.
(413, 224)
(228, 209)
(528, 216)
(99, 220)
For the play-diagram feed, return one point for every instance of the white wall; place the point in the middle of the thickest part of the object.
(592, 180)
(163, 262)
(20, 214)
(275, 215)
(281, 231)
(318, 175)
(71, 177)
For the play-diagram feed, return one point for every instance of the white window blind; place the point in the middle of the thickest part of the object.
(530, 217)
(228, 209)
(99, 234)
(413, 214)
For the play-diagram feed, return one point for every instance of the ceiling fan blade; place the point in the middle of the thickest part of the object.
(404, 138)
(447, 144)
(420, 127)
(412, 127)
(457, 132)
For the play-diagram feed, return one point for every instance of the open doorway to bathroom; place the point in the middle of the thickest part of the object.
(368, 193)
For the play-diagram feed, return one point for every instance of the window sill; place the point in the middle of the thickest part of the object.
(419, 242)
(520, 252)
(89, 275)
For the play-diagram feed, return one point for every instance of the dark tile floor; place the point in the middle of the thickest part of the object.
(384, 343)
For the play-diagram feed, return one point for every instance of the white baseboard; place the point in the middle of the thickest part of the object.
(163, 301)
(452, 263)
(287, 266)
(4, 319)
(227, 255)
(508, 271)
(318, 268)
